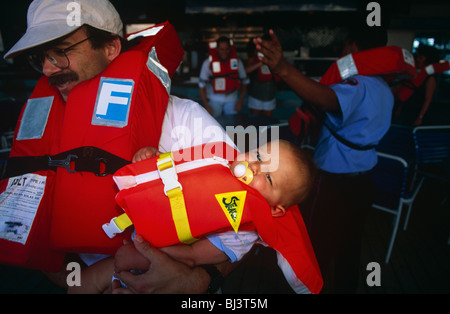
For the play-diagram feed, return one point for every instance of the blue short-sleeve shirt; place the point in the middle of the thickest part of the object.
(366, 104)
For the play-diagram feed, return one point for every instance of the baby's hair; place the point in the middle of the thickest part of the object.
(307, 171)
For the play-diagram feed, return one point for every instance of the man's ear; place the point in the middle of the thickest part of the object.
(278, 211)
(113, 48)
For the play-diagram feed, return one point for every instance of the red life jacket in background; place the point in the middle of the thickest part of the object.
(389, 62)
(118, 111)
(225, 74)
(214, 201)
(263, 72)
(406, 89)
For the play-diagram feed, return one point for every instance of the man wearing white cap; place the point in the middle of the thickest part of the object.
(49, 26)
(78, 46)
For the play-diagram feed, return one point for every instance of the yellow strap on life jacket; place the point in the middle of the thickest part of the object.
(123, 221)
(174, 191)
(117, 225)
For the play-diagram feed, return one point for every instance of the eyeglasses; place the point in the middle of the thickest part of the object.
(57, 57)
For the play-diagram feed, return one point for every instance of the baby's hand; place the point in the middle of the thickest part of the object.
(145, 153)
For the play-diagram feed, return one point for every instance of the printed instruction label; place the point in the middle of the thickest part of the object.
(18, 206)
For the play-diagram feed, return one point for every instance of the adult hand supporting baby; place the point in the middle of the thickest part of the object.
(165, 275)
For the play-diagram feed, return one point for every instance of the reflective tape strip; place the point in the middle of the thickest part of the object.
(429, 69)
(158, 69)
(146, 33)
(347, 67)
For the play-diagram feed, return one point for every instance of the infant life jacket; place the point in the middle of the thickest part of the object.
(408, 87)
(212, 200)
(225, 74)
(389, 62)
(73, 148)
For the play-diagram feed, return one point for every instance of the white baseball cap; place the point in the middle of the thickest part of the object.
(51, 19)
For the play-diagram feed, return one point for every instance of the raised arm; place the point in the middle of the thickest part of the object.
(309, 90)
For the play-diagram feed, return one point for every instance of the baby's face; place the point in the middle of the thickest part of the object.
(272, 167)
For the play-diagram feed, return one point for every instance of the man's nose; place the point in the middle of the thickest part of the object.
(49, 68)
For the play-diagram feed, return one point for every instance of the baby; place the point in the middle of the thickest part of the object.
(279, 171)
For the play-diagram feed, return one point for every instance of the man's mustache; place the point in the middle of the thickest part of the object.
(60, 79)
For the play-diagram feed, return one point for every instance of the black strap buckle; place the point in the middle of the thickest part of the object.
(100, 162)
(86, 158)
(65, 163)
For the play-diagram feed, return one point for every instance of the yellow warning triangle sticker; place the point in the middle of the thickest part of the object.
(232, 205)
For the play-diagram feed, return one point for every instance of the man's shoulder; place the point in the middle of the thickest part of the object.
(180, 106)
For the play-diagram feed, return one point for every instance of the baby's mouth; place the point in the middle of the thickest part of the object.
(243, 173)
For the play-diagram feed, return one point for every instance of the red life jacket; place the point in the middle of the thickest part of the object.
(117, 112)
(27, 241)
(225, 74)
(405, 90)
(214, 201)
(388, 62)
(385, 61)
(263, 72)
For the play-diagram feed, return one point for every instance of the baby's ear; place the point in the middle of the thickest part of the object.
(278, 211)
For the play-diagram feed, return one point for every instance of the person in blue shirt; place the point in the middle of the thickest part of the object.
(359, 110)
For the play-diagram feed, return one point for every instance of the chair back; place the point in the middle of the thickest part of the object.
(432, 143)
(390, 177)
(398, 141)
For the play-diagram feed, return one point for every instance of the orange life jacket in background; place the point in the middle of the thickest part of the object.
(388, 62)
(225, 74)
(117, 112)
(407, 88)
(212, 200)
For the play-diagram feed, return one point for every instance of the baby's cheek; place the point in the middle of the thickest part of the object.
(258, 184)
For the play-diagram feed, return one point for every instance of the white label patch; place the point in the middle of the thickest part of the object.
(112, 107)
(18, 206)
(216, 67)
(219, 84)
(408, 57)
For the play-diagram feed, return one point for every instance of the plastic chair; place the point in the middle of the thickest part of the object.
(393, 190)
(432, 147)
(432, 151)
(398, 141)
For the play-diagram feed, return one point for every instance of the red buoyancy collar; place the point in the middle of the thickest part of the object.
(225, 74)
(208, 192)
(82, 200)
(384, 61)
(406, 90)
(388, 62)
